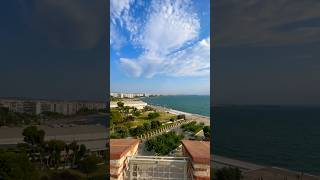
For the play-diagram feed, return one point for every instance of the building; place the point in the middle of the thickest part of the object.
(125, 164)
(136, 104)
(131, 95)
(40, 106)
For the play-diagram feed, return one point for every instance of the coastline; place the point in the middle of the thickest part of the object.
(194, 117)
(255, 171)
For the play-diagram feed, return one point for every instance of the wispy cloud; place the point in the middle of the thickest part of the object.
(168, 36)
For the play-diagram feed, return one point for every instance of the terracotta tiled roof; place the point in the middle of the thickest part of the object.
(199, 151)
(119, 147)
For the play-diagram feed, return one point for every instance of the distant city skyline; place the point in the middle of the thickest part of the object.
(160, 47)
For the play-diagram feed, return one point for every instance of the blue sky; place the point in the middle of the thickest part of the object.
(160, 46)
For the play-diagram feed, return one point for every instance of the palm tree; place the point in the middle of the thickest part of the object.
(75, 148)
(66, 157)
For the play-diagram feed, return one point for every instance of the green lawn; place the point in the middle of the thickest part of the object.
(164, 117)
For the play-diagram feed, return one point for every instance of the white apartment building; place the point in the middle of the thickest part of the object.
(129, 95)
(39, 106)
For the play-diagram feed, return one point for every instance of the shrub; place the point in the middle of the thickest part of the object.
(147, 125)
(129, 118)
(181, 116)
(116, 117)
(155, 124)
(164, 143)
(153, 115)
(207, 132)
(120, 132)
(89, 164)
(147, 108)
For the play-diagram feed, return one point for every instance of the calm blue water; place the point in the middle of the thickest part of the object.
(286, 137)
(282, 136)
(195, 104)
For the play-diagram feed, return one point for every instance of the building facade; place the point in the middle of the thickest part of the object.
(40, 106)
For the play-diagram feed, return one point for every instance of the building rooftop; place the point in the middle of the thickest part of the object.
(120, 147)
(199, 151)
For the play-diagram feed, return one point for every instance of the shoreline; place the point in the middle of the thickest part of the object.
(194, 117)
(250, 170)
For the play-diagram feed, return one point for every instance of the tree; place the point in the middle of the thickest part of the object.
(153, 115)
(140, 130)
(78, 152)
(147, 108)
(155, 124)
(116, 117)
(164, 143)
(35, 140)
(16, 165)
(181, 116)
(122, 132)
(75, 148)
(228, 174)
(206, 132)
(136, 112)
(55, 148)
(120, 104)
(89, 164)
(147, 125)
(129, 118)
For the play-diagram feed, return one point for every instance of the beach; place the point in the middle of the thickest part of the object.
(189, 116)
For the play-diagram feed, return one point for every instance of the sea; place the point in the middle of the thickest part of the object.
(281, 136)
(195, 104)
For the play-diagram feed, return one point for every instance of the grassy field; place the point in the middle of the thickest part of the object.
(143, 118)
(164, 116)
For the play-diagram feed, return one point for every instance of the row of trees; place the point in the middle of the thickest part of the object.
(49, 153)
(139, 130)
(164, 144)
(16, 165)
(21, 162)
(123, 131)
(8, 118)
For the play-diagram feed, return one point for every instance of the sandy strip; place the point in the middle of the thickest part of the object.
(194, 117)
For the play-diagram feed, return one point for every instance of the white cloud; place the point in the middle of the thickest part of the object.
(130, 67)
(168, 37)
(169, 26)
(192, 61)
(116, 39)
(118, 8)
